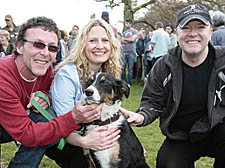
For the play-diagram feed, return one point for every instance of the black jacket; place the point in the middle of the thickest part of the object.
(12, 34)
(162, 93)
(140, 48)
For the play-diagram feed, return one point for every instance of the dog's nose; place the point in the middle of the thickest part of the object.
(89, 92)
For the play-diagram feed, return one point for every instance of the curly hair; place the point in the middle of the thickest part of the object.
(46, 23)
(78, 57)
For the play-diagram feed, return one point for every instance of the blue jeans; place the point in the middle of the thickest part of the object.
(128, 59)
(147, 66)
(26, 157)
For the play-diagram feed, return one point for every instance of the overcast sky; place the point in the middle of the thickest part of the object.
(65, 13)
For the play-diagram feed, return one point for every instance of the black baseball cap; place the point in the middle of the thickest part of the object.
(193, 12)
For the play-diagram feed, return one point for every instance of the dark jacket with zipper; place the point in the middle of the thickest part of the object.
(162, 93)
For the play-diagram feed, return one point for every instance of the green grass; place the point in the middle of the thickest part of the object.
(150, 137)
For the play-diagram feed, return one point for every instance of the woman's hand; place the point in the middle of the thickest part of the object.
(101, 138)
(133, 118)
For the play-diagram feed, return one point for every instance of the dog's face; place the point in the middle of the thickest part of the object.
(104, 88)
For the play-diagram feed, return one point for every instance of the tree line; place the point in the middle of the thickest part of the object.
(159, 10)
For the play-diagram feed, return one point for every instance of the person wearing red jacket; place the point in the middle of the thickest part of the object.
(26, 71)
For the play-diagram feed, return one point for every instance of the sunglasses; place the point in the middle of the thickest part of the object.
(7, 20)
(41, 46)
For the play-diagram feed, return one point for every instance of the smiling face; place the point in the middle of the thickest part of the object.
(194, 38)
(98, 48)
(33, 61)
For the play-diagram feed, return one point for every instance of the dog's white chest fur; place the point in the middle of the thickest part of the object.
(108, 111)
(105, 156)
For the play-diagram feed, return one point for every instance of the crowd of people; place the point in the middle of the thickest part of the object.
(183, 70)
(8, 36)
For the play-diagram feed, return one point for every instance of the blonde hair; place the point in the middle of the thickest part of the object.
(78, 57)
(4, 33)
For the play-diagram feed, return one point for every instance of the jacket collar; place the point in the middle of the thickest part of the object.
(219, 52)
(174, 56)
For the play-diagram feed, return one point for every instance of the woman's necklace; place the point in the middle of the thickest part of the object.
(27, 80)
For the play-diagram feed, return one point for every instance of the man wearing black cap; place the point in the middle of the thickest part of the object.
(186, 90)
(105, 17)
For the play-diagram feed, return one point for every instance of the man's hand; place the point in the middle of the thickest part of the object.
(124, 41)
(133, 118)
(83, 113)
(41, 102)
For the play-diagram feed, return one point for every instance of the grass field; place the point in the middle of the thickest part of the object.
(150, 137)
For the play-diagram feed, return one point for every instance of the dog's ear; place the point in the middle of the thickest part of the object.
(124, 88)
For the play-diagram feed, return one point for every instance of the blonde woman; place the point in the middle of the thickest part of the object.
(6, 48)
(96, 49)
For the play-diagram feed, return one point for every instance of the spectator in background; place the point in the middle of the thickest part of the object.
(11, 28)
(72, 38)
(6, 48)
(129, 50)
(148, 58)
(160, 42)
(173, 40)
(105, 17)
(119, 38)
(63, 42)
(218, 21)
(140, 49)
(63, 48)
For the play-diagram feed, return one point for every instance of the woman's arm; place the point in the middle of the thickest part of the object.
(99, 138)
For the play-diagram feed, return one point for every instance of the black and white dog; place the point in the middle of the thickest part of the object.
(128, 152)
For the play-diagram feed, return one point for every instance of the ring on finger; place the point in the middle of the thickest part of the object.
(96, 115)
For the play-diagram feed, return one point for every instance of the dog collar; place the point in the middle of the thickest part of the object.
(108, 121)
